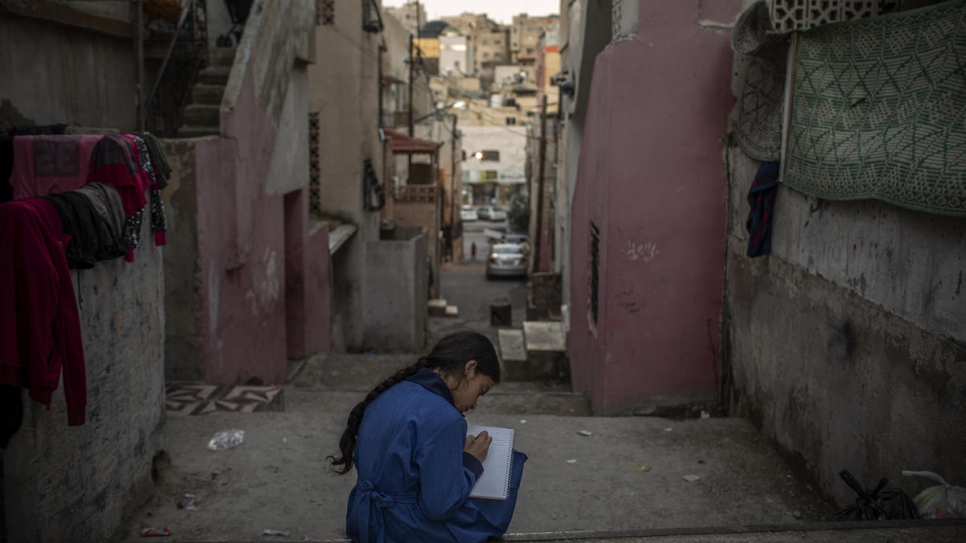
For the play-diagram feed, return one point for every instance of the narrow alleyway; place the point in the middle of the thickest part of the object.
(584, 474)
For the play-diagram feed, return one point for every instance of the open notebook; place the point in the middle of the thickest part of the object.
(494, 484)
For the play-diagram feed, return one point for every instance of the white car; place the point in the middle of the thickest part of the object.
(522, 240)
(490, 213)
(506, 259)
(467, 214)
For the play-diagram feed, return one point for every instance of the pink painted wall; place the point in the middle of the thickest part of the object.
(307, 280)
(652, 178)
(241, 251)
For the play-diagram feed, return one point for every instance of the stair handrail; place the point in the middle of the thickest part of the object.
(167, 57)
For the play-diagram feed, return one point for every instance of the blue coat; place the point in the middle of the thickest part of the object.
(414, 479)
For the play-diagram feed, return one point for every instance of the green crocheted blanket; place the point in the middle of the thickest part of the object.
(879, 110)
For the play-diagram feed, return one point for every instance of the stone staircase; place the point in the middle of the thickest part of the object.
(202, 116)
(535, 353)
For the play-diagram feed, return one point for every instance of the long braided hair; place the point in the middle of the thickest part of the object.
(449, 356)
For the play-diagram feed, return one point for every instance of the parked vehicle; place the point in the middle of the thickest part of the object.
(522, 240)
(467, 214)
(490, 213)
(506, 259)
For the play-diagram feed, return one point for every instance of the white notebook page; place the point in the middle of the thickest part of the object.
(494, 484)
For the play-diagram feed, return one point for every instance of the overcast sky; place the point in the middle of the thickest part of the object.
(501, 11)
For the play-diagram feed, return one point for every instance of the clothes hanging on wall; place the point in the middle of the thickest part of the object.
(107, 203)
(93, 237)
(149, 179)
(40, 334)
(46, 164)
(761, 198)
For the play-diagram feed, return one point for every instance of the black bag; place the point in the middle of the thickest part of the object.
(878, 504)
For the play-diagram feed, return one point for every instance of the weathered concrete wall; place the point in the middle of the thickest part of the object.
(64, 483)
(395, 292)
(847, 345)
(344, 89)
(236, 186)
(65, 75)
(182, 267)
(585, 31)
(308, 277)
(652, 179)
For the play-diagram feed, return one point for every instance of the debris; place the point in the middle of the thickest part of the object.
(226, 439)
(572, 461)
(876, 504)
(187, 505)
(275, 532)
(692, 478)
(642, 467)
(523, 421)
(189, 495)
(705, 414)
(700, 461)
(797, 514)
(939, 501)
(155, 532)
(284, 440)
(585, 433)
(669, 429)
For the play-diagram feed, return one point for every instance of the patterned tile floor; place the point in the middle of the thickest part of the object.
(202, 399)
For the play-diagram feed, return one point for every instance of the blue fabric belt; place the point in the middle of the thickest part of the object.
(373, 528)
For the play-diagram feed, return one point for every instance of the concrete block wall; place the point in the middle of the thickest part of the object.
(396, 290)
(79, 483)
(544, 298)
(847, 345)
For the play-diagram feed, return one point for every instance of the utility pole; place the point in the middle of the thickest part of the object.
(541, 169)
(412, 66)
(454, 197)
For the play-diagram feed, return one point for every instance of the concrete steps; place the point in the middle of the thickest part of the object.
(202, 117)
(537, 352)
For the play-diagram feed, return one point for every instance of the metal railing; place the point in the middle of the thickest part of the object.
(185, 57)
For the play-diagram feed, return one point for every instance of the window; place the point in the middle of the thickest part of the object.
(487, 156)
(325, 12)
(486, 54)
(510, 121)
(594, 271)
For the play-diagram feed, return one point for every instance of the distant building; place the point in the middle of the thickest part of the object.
(488, 40)
(494, 163)
(411, 15)
(525, 32)
(548, 65)
(454, 55)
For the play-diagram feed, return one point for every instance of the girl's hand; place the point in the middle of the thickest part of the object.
(478, 446)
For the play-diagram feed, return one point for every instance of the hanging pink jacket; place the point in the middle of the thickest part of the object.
(40, 333)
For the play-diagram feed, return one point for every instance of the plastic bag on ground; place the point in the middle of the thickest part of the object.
(878, 504)
(940, 501)
(226, 439)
